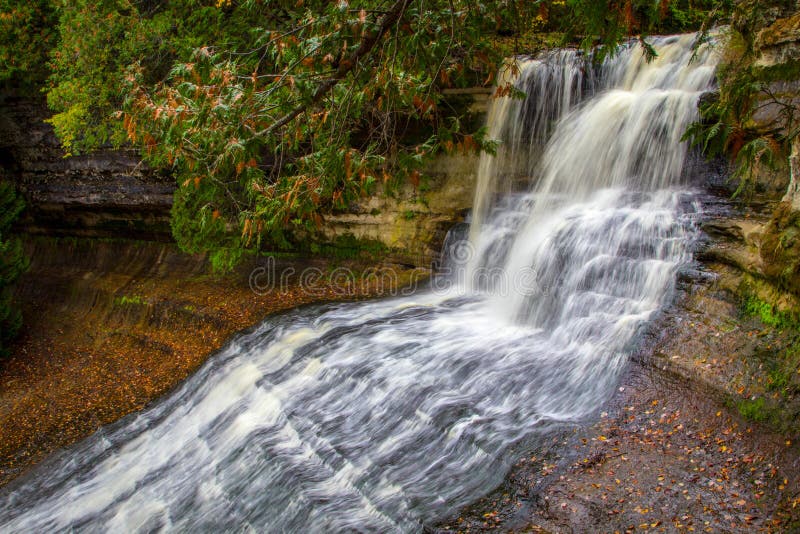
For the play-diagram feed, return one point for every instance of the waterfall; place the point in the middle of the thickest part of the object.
(391, 414)
(553, 83)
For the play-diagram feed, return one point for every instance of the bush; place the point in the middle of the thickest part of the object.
(12, 263)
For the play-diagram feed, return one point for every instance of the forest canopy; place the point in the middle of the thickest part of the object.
(269, 114)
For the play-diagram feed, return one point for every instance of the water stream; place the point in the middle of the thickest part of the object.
(387, 415)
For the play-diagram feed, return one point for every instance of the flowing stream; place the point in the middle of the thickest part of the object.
(388, 415)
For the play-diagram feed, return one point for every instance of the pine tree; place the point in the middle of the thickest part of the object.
(12, 263)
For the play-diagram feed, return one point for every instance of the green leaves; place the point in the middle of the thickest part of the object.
(326, 106)
(27, 33)
(99, 41)
(12, 263)
(729, 124)
(272, 114)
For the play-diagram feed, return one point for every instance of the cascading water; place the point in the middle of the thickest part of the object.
(553, 84)
(390, 414)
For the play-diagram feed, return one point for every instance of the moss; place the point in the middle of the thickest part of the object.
(780, 248)
(754, 410)
(784, 373)
(778, 73)
(132, 300)
(777, 379)
(349, 247)
(281, 254)
(767, 313)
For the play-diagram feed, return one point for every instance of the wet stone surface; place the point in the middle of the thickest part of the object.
(662, 458)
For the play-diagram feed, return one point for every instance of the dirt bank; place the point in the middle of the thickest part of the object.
(110, 326)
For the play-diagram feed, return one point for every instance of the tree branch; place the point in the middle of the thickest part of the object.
(369, 42)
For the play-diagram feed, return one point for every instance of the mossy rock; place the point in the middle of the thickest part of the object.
(780, 248)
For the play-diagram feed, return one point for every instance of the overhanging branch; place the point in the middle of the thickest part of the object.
(367, 44)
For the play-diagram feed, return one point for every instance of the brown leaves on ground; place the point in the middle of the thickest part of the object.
(99, 345)
(666, 459)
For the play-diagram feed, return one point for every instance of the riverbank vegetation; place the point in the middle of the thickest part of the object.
(752, 120)
(12, 264)
(271, 114)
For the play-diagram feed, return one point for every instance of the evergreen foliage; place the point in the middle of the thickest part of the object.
(12, 263)
(27, 33)
(729, 126)
(272, 113)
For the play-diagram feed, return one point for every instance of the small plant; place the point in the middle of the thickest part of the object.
(752, 306)
(778, 380)
(125, 300)
(753, 410)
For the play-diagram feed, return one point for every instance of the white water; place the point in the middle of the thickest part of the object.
(387, 415)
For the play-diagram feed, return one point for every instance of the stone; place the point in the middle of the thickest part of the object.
(780, 42)
(413, 222)
(793, 191)
(109, 193)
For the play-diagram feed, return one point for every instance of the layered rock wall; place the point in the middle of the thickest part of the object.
(109, 193)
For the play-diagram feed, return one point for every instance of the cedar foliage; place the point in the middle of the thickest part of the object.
(12, 263)
(271, 114)
(729, 125)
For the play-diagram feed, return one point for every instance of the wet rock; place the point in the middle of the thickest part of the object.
(108, 193)
(694, 276)
(723, 229)
(780, 42)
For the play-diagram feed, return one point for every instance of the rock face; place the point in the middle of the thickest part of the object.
(106, 194)
(793, 191)
(767, 246)
(414, 222)
(780, 42)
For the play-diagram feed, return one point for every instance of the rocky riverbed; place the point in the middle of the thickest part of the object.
(668, 454)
